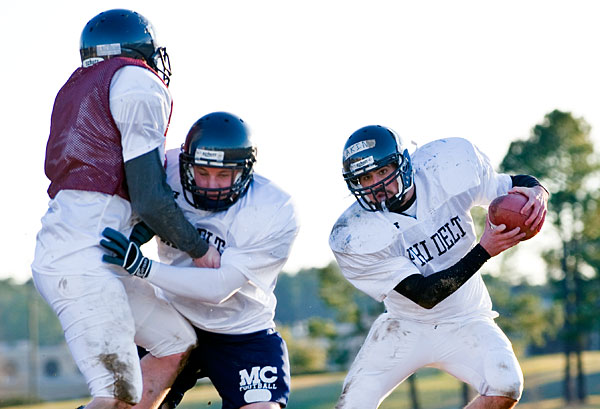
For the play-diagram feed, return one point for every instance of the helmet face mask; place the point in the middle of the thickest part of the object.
(160, 62)
(369, 149)
(123, 33)
(220, 141)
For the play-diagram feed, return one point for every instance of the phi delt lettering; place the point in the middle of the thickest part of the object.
(445, 237)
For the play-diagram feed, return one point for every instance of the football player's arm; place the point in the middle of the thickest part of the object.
(258, 264)
(212, 285)
(141, 106)
(152, 199)
(431, 290)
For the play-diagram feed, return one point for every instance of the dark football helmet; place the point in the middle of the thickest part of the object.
(370, 148)
(217, 140)
(124, 33)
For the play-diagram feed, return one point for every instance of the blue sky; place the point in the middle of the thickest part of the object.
(304, 75)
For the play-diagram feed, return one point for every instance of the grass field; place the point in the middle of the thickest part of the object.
(436, 390)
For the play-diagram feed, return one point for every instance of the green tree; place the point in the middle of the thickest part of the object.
(524, 315)
(298, 297)
(306, 355)
(561, 154)
(351, 306)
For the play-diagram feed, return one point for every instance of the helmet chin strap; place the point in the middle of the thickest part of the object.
(395, 203)
(398, 207)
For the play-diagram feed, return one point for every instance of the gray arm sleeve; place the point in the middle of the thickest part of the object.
(152, 199)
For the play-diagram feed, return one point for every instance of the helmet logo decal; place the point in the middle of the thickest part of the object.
(358, 147)
(203, 155)
(108, 49)
(91, 61)
(362, 163)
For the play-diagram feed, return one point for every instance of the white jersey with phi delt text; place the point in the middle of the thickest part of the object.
(377, 250)
(254, 237)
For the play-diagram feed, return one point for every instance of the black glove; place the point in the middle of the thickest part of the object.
(127, 254)
(141, 234)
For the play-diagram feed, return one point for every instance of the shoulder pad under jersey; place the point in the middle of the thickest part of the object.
(265, 209)
(453, 164)
(443, 151)
(362, 232)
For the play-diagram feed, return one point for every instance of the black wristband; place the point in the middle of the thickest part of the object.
(526, 181)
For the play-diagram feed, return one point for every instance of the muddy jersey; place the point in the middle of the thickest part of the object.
(254, 236)
(377, 250)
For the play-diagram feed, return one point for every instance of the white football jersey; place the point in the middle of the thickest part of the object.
(255, 235)
(377, 250)
(68, 242)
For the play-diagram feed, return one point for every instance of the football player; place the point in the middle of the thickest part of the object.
(104, 159)
(252, 223)
(409, 241)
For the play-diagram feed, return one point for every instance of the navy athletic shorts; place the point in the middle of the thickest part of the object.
(243, 368)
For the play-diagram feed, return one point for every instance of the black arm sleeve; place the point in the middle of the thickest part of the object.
(152, 199)
(526, 181)
(431, 290)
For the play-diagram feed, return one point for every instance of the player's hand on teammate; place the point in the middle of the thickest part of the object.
(127, 253)
(537, 200)
(212, 259)
(141, 234)
(497, 239)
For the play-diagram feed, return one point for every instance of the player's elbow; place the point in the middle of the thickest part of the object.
(427, 304)
(225, 282)
(147, 210)
(427, 301)
(422, 301)
(220, 296)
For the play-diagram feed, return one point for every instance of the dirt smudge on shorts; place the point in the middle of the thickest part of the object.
(124, 390)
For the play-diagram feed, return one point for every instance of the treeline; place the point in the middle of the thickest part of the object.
(317, 300)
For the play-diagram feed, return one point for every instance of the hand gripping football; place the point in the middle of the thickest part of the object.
(506, 210)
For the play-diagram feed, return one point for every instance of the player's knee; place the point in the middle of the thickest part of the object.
(499, 402)
(174, 363)
(504, 376)
(358, 395)
(504, 402)
(165, 347)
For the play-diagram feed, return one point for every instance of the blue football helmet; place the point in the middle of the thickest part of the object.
(123, 33)
(217, 140)
(371, 148)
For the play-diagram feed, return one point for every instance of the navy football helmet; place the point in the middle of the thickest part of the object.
(371, 148)
(217, 140)
(124, 33)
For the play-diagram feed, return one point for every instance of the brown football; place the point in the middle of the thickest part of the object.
(506, 210)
